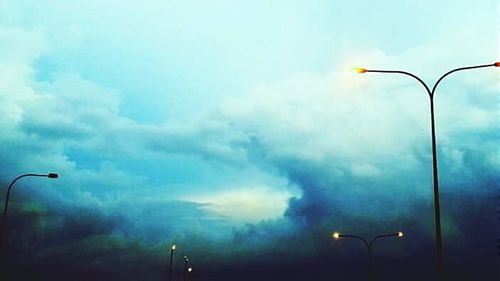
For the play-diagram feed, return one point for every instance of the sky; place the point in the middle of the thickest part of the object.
(238, 131)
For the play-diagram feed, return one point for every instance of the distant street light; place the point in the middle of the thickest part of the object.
(4, 216)
(368, 245)
(190, 273)
(186, 261)
(437, 209)
(172, 250)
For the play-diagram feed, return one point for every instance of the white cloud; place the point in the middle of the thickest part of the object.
(246, 204)
(18, 49)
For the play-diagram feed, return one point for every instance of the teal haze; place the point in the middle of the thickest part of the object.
(239, 132)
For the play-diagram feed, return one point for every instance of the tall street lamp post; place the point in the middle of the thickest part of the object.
(368, 245)
(4, 216)
(437, 209)
(172, 250)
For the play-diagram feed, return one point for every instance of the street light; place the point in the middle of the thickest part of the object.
(186, 261)
(172, 250)
(437, 209)
(190, 273)
(4, 216)
(359, 69)
(337, 236)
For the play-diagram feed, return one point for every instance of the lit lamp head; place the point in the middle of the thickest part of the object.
(190, 269)
(173, 247)
(400, 234)
(497, 64)
(186, 259)
(360, 70)
(336, 235)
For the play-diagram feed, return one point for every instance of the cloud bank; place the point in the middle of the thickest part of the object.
(254, 182)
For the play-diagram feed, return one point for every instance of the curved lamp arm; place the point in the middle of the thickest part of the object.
(398, 234)
(405, 73)
(496, 64)
(355, 236)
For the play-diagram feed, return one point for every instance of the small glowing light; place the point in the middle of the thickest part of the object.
(173, 247)
(400, 234)
(336, 235)
(497, 64)
(186, 258)
(190, 269)
(359, 69)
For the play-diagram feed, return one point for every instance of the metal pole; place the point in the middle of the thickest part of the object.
(437, 205)
(371, 277)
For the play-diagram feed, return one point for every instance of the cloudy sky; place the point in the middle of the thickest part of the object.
(238, 132)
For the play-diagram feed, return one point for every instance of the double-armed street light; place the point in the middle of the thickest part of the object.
(368, 244)
(431, 93)
(4, 216)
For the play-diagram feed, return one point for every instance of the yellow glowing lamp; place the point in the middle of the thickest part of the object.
(400, 234)
(359, 69)
(173, 247)
(497, 64)
(336, 235)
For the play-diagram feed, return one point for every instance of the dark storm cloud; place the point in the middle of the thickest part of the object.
(102, 240)
(58, 240)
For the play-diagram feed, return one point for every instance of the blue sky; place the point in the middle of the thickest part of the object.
(213, 118)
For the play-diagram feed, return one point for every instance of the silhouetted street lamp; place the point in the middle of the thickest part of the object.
(368, 245)
(186, 261)
(172, 250)
(4, 216)
(190, 273)
(437, 209)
